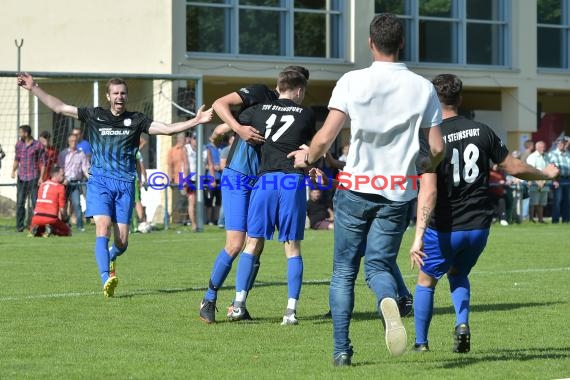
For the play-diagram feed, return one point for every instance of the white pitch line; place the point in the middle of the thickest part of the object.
(198, 288)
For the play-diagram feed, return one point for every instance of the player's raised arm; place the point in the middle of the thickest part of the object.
(202, 116)
(27, 82)
(222, 106)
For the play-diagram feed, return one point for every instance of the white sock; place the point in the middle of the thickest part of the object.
(292, 304)
(240, 297)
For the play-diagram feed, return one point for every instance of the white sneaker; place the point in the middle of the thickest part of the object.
(504, 223)
(235, 313)
(290, 319)
(395, 331)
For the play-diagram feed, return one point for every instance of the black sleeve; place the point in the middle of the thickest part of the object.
(85, 113)
(255, 94)
(498, 150)
(145, 123)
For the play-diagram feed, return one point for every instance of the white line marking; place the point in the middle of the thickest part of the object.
(201, 288)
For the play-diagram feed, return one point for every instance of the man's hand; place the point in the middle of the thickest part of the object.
(26, 81)
(417, 254)
(318, 177)
(203, 116)
(551, 171)
(300, 157)
(250, 135)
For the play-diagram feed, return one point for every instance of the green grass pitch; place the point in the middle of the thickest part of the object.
(55, 322)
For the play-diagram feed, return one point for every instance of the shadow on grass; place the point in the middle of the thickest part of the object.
(146, 292)
(497, 307)
(522, 354)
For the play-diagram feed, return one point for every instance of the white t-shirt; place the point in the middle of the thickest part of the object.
(537, 160)
(387, 105)
(192, 154)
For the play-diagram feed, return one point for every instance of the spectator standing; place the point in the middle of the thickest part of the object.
(213, 195)
(29, 164)
(561, 200)
(528, 150)
(538, 190)
(76, 171)
(82, 145)
(178, 166)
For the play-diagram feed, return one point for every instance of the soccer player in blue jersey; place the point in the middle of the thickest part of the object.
(459, 227)
(278, 199)
(114, 135)
(241, 166)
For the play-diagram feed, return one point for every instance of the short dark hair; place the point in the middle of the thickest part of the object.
(115, 81)
(45, 134)
(299, 69)
(290, 80)
(26, 128)
(387, 33)
(54, 170)
(448, 88)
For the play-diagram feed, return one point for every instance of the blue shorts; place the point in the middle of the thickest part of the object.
(236, 190)
(458, 249)
(110, 197)
(278, 200)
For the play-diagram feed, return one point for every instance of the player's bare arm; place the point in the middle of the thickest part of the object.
(27, 82)
(221, 130)
(222, 107)
(522, 170)
(322, 141)
(436, 145)
(427, 197)
(202, 116)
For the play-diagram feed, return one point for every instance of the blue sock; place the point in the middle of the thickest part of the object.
(222, 267)
(254, 274)
(294, 276)
(115, 251)
(423, 311)
(460, 296)
(102, 256)
(245, 266)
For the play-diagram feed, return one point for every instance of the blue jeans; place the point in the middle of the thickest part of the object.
(370, 226)
(561, 201)
(25, 190)
(73, 189)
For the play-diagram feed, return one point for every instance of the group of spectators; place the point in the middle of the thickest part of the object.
(182, 164)
(517, 200)
(36, 162)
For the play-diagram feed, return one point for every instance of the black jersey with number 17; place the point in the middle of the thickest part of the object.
(286, 125)
(243, 157)
(463, 202)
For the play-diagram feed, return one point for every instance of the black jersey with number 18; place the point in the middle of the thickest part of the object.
(286, 125)
(463, 202)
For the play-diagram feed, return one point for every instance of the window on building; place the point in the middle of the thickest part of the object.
(553, 19)
(283, 28)
(464, 32)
